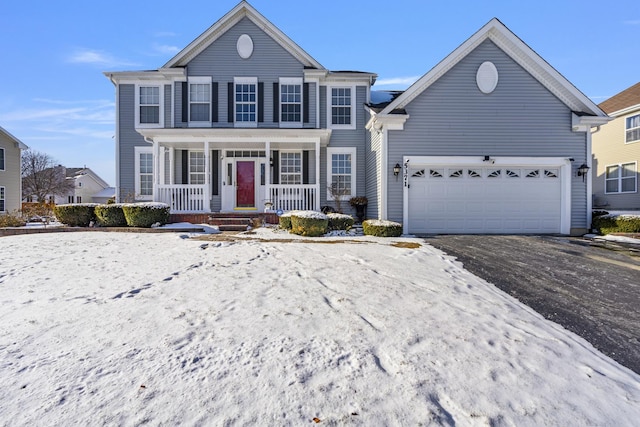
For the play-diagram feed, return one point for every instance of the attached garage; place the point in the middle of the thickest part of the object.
(471, 195)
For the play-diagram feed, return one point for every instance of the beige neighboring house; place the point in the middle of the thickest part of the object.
(616, 153)
(88, 187)
(10, 172)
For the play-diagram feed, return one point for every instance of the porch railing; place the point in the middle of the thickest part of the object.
(184, 198)
(294, 197)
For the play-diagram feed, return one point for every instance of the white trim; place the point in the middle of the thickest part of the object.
(352, 125)
(241, 81)
(627, 129)
(296, 81)
(589, 180)
(280, 173)
(342, 150)
(619, 178)
(522, 54)
(21, 145)
(564, 164)
(137, 186)
(160, 124)
(203, 173)
(199, 80)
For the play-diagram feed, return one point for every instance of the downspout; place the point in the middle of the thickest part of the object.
(117, 137)
(589, 179)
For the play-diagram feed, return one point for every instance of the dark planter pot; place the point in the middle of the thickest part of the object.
(361, 211)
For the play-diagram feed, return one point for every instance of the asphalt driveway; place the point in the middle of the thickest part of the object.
(591, 291)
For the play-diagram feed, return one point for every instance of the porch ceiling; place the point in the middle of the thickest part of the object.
(234, 137)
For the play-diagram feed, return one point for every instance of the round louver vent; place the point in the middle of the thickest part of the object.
(487, 77)
(245, 46)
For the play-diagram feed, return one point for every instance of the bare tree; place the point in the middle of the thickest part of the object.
(41, 177)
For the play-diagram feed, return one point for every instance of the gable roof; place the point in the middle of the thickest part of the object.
(522, 54)
(625, 100)
(242, 10)
(19, 143)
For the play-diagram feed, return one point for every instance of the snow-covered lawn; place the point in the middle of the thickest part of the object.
(130, 329)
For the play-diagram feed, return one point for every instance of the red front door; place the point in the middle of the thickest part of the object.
(246, 185)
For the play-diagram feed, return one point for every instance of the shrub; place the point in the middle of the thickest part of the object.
(111, 215)
(309, 223)
(339, 221)
(379, 228)
(607, 224)
(11, 220)
(77, 215)
(284, 221)
(145, 214)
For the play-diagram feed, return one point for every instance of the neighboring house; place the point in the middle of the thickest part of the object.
(616, 153)
(489, 141)
(87, 187)
(10, 172)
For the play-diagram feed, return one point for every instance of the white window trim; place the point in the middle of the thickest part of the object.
(291, 81)
(245, 80)
(3, 197)
(342, 150)
(330, 125)
(138, 151)
(619, 178)
(160, 86)
(199, 80)
(4, 159)
(628, 129)
(203, 173)
(301, 165)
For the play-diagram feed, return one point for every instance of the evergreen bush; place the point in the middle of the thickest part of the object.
(146, 214)
(339, 221)
(76, 215)
(111, 215)
(379, 228)
(607, 224)
(309, 223)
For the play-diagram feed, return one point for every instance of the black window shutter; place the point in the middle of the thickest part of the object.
(230, 102)
(260, 102)
(214, 102)
(305, 167)
(276, 102)
(215, 160)
(185, 166)
(185, 102)
(305, 103)
(276, 167)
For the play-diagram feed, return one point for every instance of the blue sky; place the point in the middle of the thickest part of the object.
(54, 97)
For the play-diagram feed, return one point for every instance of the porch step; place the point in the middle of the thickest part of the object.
(231, 223)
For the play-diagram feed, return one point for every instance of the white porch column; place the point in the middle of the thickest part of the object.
(207, 176)
(172, 157)
(317, 203)
(156, 170)
(267, 171)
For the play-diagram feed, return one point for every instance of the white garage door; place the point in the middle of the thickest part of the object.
(484, 199)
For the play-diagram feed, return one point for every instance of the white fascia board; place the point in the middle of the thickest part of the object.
(178, 135)
(625, 111)
(388, 121)
(128, 77)
(21, 145)
(520, 52)
(585, 123)
(242, 10)
(344, 78)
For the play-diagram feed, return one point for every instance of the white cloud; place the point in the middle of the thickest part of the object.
(397, 81)
(165, 49)
(164, 34)
(96, 57)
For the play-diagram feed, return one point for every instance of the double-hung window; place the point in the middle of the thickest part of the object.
(341, 172)
(291, 102)
(291, 168)
(196, 167)
(246, 101)
(149, 105)
(144, 173)
(341, 109)
(200, 99)
(621, 178)
(1, 159)
(632, 129)
(2, 206)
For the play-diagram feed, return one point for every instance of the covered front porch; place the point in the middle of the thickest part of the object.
(236, 170)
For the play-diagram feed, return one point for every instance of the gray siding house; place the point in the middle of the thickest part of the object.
(489, 141)
(10, 172)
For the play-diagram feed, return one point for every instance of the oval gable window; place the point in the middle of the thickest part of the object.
(487, 77)
(244, 46)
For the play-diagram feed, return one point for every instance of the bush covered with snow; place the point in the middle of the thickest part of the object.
(607, 224)
(76, 215)
(339, 221)
(111, 215)
(146, 214)
(309, 223)
(380, 228)
(284, 221)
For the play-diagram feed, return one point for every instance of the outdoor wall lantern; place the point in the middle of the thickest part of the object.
(582, 171)
(396, 170)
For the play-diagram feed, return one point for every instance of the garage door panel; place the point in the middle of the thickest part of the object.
(506, 199)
